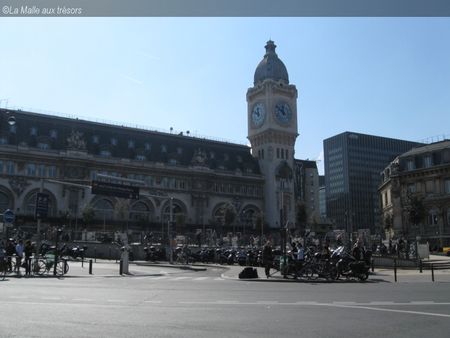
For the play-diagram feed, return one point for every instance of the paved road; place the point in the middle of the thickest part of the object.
(159, 301)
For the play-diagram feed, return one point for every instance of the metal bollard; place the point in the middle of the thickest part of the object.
(395, 270)
(28, 267)
(432, 273)
(90, 266)
(420, 266)
(372, 264)
(121, 267)
(82, 261)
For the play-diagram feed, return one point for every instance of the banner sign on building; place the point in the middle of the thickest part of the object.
(114, 189)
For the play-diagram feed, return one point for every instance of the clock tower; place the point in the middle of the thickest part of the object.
(272, 131)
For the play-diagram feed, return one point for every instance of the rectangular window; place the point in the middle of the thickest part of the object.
(429, 187)
(41, 170)
(427, 161)
(11, 168)
(31, 169)
(52, 171)
(411, 188)
(410, 165)
(1, 167)
(447, 186)
(278, 152)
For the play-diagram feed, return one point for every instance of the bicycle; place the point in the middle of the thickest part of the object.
(46, 264)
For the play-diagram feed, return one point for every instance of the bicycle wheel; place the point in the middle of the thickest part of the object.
(40, 267)
(3, 269)
(62, 268)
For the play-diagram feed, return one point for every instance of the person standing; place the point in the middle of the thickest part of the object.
(10, 252)
(267, 258)
(19, 254)
(28, 250)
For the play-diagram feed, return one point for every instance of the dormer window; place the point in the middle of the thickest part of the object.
(53, 134)
(410, 165)
(147, 146)
(33, 131)
(113, 141)
(212, 155)
(13, 129)
(239, 158)
(427, 161)
(226, 157)
(43, 146)
(179, 150)
(3, 140)
(140, 157)
(105, 153)
(95, 139)
(130, 144)
(163, 148)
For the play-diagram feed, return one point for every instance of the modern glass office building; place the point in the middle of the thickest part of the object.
(353, 163)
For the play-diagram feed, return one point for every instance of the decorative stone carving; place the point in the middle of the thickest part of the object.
(75, 141)
(18, 184)
(237, 203)
(199, 158)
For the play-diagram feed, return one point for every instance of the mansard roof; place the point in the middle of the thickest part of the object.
(62, 134)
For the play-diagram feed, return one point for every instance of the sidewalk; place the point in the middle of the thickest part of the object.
(380, 275)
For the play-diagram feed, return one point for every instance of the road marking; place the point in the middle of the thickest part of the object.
(161, 277)
(18, 297)
(180, 278)
(82, 300)
(51, 298)
(267, 302)
(387, 310)
(153, 301)
(116, 300)
(201, 278)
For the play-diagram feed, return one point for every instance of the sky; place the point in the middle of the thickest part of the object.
(381, 76)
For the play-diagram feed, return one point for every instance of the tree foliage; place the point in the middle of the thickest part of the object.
(416, 210)
(300, 216)
(88, 215)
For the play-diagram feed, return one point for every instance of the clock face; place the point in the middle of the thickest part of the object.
(258, 114)
(283, 113)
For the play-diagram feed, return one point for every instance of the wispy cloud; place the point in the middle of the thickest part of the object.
(132, 79)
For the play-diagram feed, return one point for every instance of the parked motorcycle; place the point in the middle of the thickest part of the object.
(349, 267)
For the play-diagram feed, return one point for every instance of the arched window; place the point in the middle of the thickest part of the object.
(139, 212)
(433, 217)
(4, 201)
(177, 212)
(30, 204)
(103, 209)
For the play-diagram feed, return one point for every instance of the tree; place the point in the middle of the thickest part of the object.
(416, 210)
(88, 215)
(388, 222)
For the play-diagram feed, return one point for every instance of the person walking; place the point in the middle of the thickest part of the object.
(267, 258)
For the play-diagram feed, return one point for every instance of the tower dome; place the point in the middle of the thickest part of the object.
(271, 67)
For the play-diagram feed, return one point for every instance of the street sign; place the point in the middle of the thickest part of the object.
(113, 189)
(41, 210)
(9, 216)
